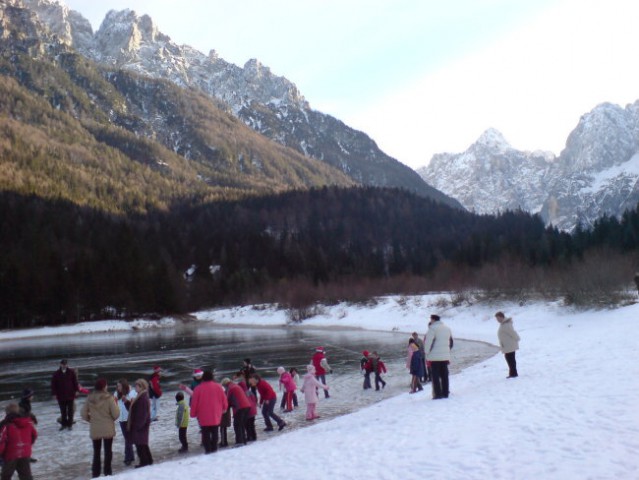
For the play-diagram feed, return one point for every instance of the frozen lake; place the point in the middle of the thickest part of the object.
(66, 455)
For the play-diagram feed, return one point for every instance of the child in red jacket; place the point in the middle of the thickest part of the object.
(376, 365)
(16, 438)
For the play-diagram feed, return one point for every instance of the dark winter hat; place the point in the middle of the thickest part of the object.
(63, 361)
(179, 396)
(100, 384)
(247, 360)
(434, 317)
(500, 315)
(27, 393)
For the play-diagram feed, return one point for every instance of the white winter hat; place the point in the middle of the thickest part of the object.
(280, 370)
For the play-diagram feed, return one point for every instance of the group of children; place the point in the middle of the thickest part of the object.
(246, 385)
(372, 363)
(241, 392)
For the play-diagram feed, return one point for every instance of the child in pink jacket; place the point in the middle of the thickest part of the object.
(286, 381)
(309, 389)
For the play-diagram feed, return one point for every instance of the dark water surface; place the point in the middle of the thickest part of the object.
(66, 455)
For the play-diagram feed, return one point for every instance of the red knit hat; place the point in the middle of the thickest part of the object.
(157, 368)
(365, 353)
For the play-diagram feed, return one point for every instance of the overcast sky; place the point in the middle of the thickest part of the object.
(424, 76)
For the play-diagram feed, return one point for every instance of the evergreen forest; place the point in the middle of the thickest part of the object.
(62, 262)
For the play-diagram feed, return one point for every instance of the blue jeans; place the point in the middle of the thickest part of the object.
(129, 457)
(267, 412)
(154, 408)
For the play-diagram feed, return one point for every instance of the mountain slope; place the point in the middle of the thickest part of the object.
(596, 174)
(81, 118)
(271, 105)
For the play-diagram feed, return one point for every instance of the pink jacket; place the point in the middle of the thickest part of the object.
(208, 403)
(287, 380)
(310, 386)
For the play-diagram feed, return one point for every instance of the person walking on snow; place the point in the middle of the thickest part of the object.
(268, 399)
(309, 389)
(65, 387)
(365, 369)
(155, 392)
(17, 436)
(508, 341)
(286, 381)
(377, 366)
(101, 411)
(321, 367)
(438, 343)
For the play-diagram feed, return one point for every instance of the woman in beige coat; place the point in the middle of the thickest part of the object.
(101, 411)
(508, 341)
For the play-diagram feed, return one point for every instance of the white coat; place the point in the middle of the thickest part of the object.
(508, 337)
(437, 342)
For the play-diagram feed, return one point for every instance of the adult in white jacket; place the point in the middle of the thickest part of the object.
(437, 345)
(508, 341)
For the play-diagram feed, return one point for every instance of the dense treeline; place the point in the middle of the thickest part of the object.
(60, 262)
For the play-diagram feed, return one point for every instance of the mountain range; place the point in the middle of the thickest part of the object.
(130, 44)
(596, 174)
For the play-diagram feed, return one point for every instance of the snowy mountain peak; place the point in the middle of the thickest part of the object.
(597, 173)
(493, 139)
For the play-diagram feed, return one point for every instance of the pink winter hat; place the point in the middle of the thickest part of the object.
(319, 349)
(280, 370)
(157, 368)
(198, 373)
(310, 369)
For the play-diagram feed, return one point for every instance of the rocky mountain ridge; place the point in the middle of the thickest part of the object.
(269, 104)
(596, 174)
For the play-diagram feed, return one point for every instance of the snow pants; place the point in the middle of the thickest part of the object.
(21, 465)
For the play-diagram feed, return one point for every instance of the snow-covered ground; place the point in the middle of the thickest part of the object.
(571, 414)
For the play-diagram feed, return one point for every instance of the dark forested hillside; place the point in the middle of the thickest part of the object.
(60, 262)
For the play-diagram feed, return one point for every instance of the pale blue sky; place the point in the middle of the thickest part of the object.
(423, 76)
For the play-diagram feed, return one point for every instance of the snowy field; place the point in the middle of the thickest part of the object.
(571, 414)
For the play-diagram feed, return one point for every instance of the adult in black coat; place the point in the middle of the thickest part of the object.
(64, 387)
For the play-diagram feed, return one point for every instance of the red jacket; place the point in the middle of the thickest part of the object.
(251, 397)
(208, 403)
(16, 438)
(317, 363)
(266, 391)
(154, 385)
(381, 368)
(238, 399)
